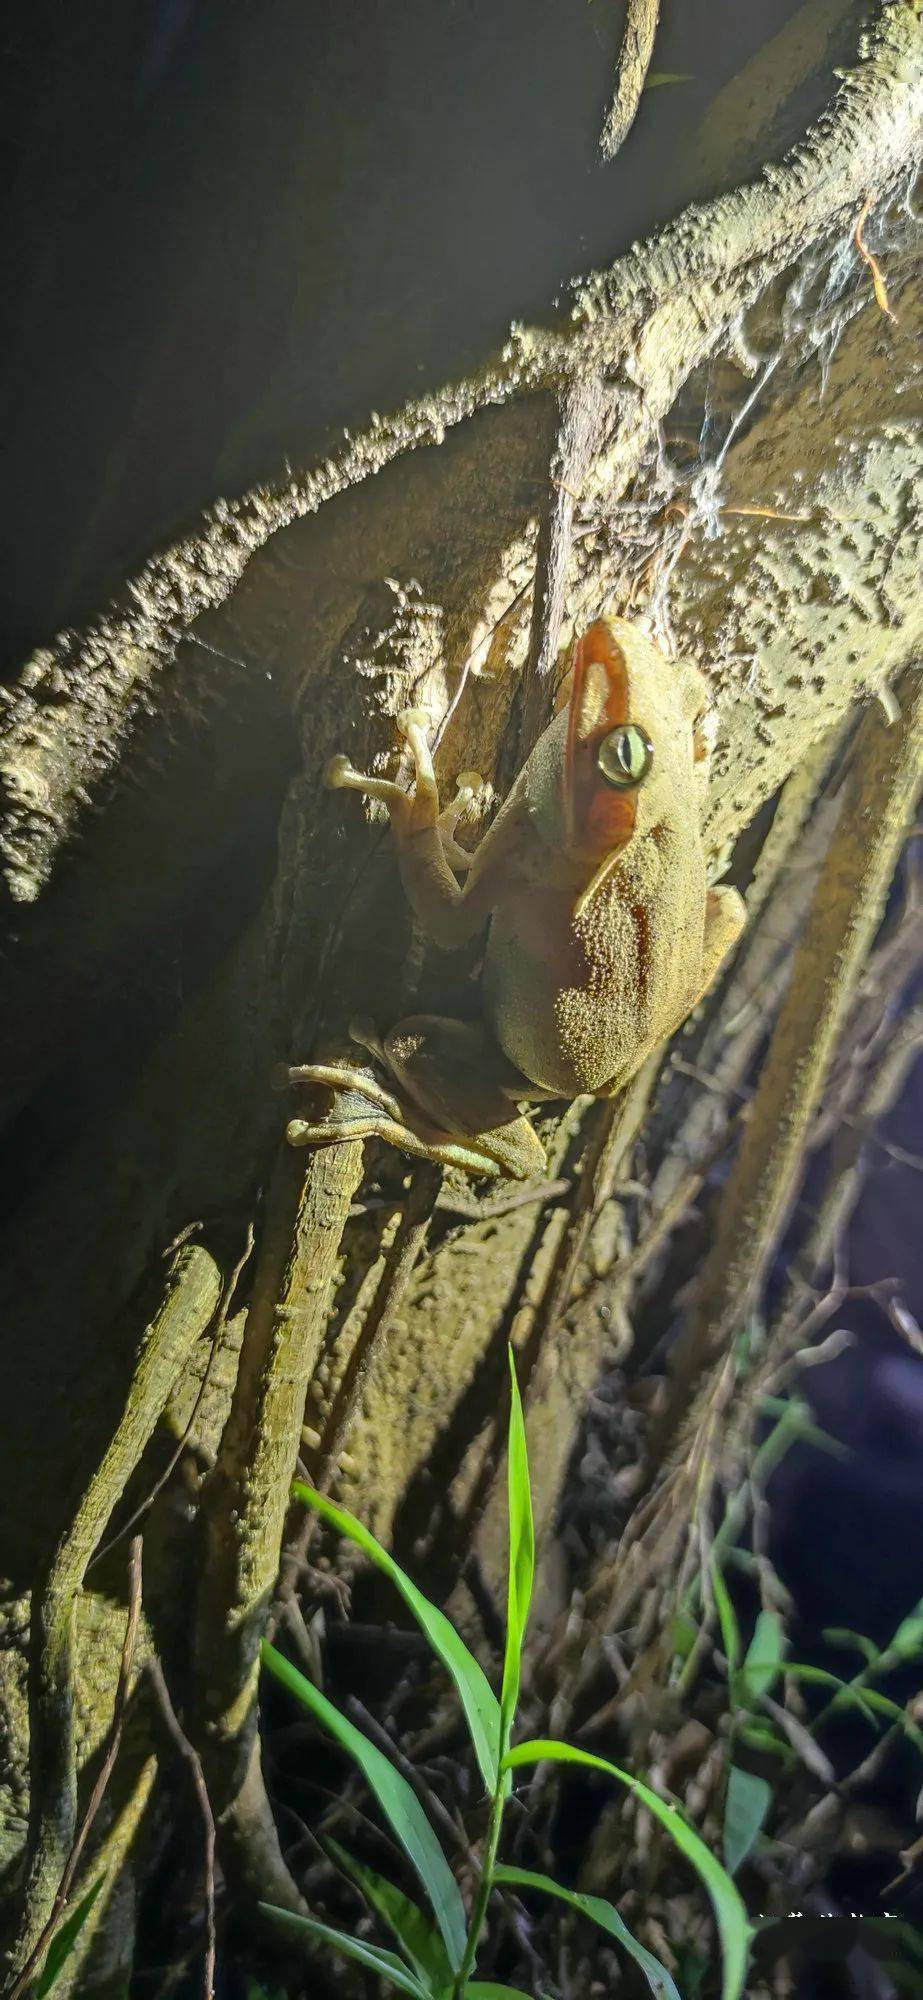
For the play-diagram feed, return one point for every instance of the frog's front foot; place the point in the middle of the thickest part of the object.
(411, 811)
(468, 784)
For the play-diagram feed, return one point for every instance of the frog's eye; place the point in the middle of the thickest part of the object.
(625, 756)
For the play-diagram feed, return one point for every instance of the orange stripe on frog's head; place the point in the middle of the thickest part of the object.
(598, 820)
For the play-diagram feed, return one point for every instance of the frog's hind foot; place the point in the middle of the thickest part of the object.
(342, 1077)
(443, 1152)
(362, 1109)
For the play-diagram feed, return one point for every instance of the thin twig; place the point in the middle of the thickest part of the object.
(414, 1777)
(191, 1756)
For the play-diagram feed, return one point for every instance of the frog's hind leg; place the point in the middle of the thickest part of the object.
(457, 1104)
(463, 1083)
(437, 1147)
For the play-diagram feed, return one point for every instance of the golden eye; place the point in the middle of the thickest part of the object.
(625, 756)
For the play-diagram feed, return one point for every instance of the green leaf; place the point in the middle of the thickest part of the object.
(599, 1912)
(904, 1978)
(487, 1989)
(385, 1963)
(730, 1630)
(522, 1557)
(64, 1940)
(857, 1697)
(730, 1914)
(421, 1944)
(761, 1737)
(480, 1704)
(683, 1635)
(874, 1699)
(843, 1635)
(764, 1654)
(398, 1802)
(908, 1639)
(693, 1969)
(745, 1808)
(894, 1935)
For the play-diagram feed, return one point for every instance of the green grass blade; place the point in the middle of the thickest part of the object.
(764, 1654)
(398, 1802)
(599, 1912)
(731, 1917)
(385, 1963)
(480, 1704)
(843, 1635)
(745, 1808)
(846, 1694)
(421, 1944)
(907, 1642)
(64, 1940)
(522, 1556)
(730, 1630)
(760, 1737)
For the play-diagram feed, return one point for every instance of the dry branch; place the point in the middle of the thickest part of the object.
(634, 61)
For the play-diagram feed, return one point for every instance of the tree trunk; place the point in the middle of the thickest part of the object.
(188, 906)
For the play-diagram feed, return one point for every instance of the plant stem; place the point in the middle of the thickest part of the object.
(484, 1886)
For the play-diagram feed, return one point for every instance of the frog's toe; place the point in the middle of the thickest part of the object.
(409, 719)
(339, 772)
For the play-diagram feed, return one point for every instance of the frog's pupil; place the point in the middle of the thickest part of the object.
(625, 756)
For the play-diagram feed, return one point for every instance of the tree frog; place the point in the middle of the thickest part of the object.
(601, 931)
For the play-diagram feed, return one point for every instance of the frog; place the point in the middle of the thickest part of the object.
(601, 930)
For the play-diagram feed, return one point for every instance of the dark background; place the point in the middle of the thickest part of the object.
(232, 226)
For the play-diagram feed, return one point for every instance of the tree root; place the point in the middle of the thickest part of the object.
(880, 798)
(247, 1495)
(193, 1288)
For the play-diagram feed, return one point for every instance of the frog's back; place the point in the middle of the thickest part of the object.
(578, 1003)
(595, 948)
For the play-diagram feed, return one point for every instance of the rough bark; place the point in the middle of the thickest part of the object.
(134, 756)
